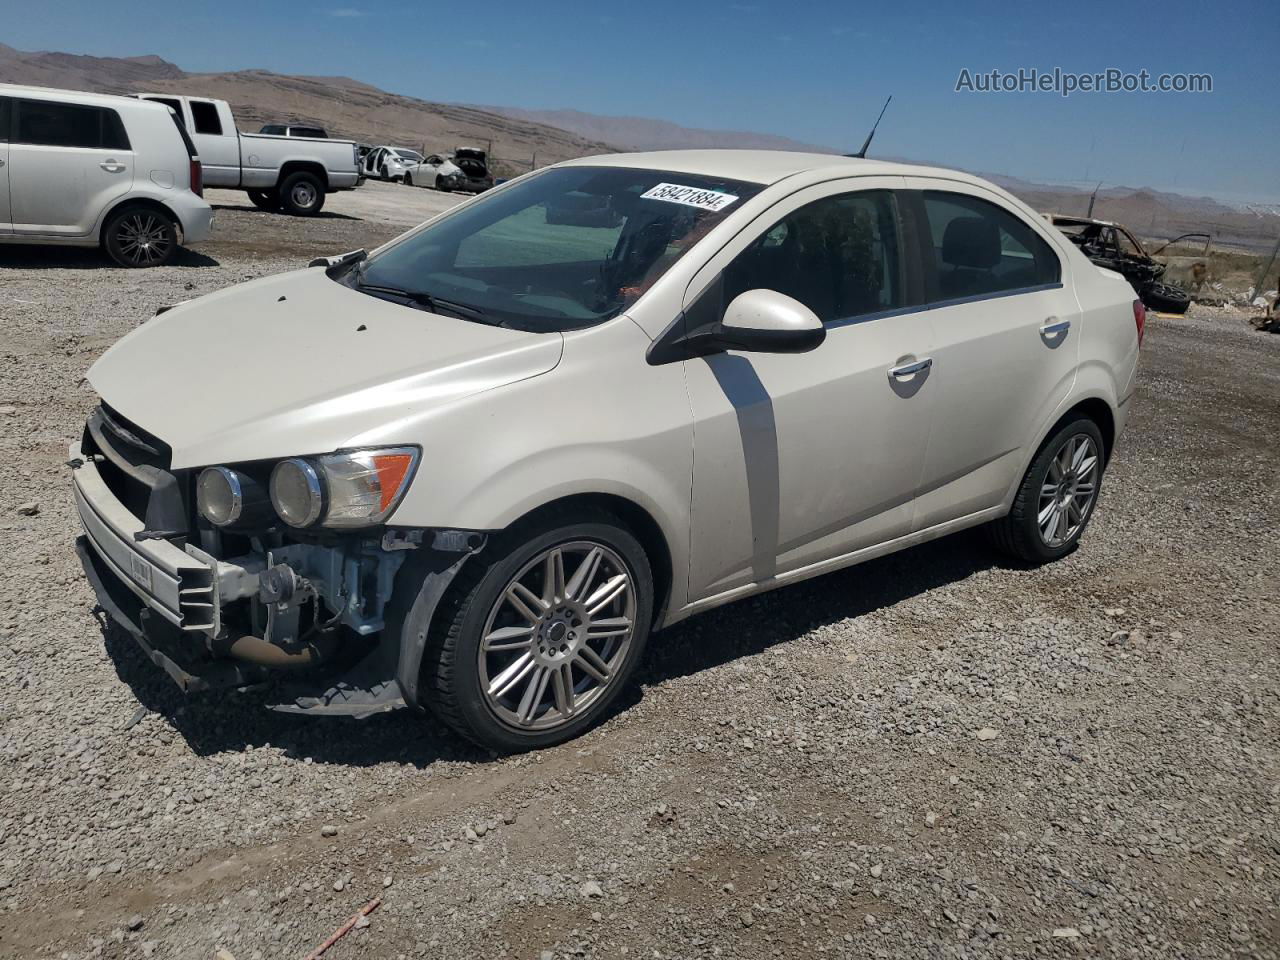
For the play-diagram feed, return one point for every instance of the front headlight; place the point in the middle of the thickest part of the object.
(358, 488)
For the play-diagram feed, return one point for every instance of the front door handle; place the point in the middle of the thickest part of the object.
(111, 166)
(910, 369)
(1054, 326)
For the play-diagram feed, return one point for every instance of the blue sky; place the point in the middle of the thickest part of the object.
(817, 72)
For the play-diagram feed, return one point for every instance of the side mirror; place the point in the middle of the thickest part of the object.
(766, 321)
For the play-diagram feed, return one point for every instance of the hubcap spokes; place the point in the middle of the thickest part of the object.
(557, 636)
(1068, 490)
(144, 238)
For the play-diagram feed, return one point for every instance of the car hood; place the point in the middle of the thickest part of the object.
(299, 364)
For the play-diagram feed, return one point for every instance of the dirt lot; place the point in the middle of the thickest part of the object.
(931, 755)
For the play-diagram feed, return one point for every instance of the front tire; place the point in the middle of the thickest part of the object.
(1166, 298)
(302, 194)
(540, 633)
(141, 237)
(268, 200)
(1055, 501)
(442, 185)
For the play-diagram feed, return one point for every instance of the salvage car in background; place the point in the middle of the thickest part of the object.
(458, 473)
(86, 170)
(1112, 246)
(467, 168)
(389, 163)
(291, 174)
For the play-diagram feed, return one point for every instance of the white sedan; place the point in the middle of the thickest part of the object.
(610, 395)
(390, 163)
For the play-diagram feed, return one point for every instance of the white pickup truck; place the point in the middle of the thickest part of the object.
(292, 174)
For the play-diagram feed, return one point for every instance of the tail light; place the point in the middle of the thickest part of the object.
(1140, 319)
(197, 177)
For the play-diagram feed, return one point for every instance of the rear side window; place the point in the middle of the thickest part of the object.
(204, 116)
(981, 249)
(174, 105)
(53, 124)
(272, 129)
(839, 256)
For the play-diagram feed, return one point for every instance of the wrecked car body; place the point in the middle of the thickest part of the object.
(1112, 246)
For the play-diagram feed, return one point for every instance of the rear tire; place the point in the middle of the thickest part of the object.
(268, 200)
(408, 180)
(302, 194)
(1166, 298)
(141, 237)
(461, 676)
(1058, 492)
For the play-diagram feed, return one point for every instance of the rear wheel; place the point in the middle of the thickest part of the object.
(141, 237)
(540, 633)
(268, 200)
(302, 194)
(408, 179)
(1166, 298)
(1055, 501)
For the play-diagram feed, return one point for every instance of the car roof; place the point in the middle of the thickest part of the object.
(79, 96)
(765, 166)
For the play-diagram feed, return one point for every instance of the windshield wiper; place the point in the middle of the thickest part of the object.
(427, 301)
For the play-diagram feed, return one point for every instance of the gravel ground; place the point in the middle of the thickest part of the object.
(931, 755)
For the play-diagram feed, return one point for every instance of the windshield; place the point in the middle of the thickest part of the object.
(567, 248)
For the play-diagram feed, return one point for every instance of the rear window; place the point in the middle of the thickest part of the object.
(204, 116)
(174, 105)
(308, 132)
(53, 124)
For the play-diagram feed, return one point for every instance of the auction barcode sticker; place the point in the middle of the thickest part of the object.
(690, 196)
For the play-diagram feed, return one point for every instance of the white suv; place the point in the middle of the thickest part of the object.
(86, 170)
(472, 470)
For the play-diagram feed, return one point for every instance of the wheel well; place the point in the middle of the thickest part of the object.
(144, 202)
(638, 521)
(303, 166)
(1100, 413)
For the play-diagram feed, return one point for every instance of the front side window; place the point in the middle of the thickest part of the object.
(205, 117)
(52, 124)
(981, 249)
(839, 256)
(566, 248)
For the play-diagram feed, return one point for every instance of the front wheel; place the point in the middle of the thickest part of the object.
(540, 633)
(1055, 501)
(442, 185)
(268, 200)
(302, 194)
(141, 237)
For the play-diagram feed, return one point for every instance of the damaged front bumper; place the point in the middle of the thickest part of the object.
(186, 609)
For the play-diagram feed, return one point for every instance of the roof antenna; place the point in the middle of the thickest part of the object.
(862, 154)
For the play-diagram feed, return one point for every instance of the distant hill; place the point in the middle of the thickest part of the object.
(345, 107)
(359, 111)
(643, 133)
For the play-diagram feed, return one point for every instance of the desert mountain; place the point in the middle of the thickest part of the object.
(352, 109)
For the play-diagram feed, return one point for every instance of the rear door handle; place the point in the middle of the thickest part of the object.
(909, 369)
(1054, 326)
(111, 166)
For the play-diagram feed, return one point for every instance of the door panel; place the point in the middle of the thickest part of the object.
(1004, 361)
(216, 143)
(67, 163)
(800, 458)
(6, 216)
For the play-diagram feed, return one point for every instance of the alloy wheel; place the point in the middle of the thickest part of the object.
(1068, 490)
(144, 238)
(557, 636)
